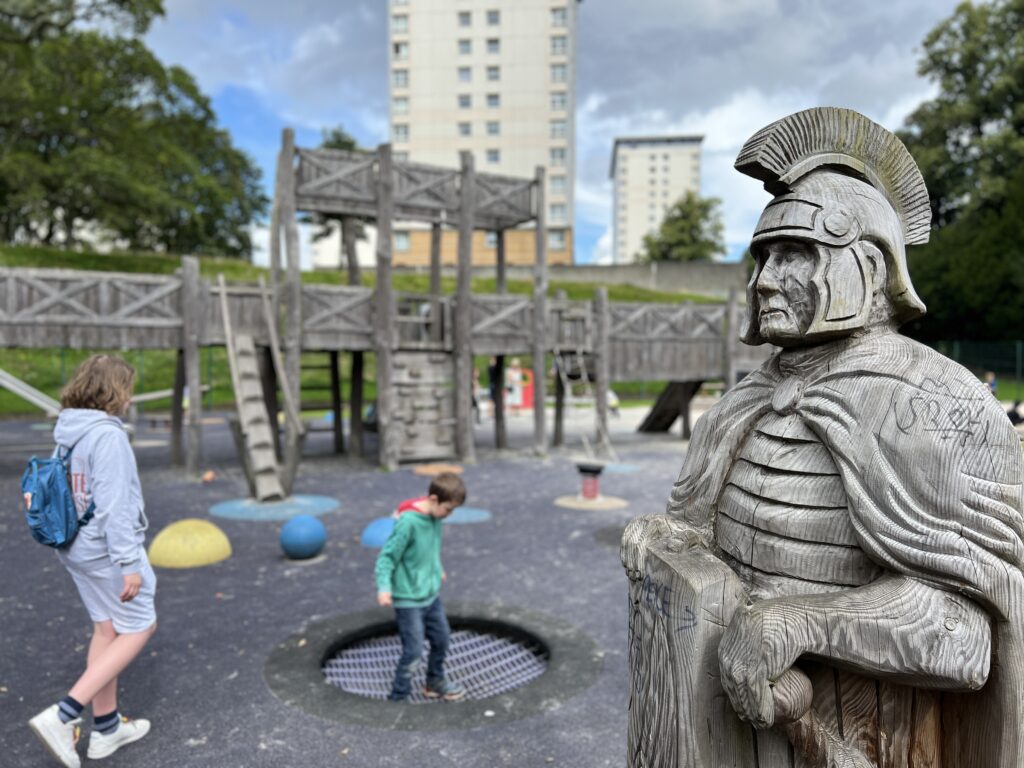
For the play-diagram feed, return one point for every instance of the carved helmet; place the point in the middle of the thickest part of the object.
(845, 185)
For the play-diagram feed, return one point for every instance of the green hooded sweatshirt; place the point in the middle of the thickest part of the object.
(409, 565)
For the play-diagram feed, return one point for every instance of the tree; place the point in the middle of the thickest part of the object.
(969, 144)
(98, 136)
(26, 21)
(691, 231)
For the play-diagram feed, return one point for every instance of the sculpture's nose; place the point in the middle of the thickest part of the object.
(768, 280)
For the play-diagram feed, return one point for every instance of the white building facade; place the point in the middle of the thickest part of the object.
(649, 174)
(497, 78)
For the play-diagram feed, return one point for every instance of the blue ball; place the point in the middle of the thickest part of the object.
(303, 537)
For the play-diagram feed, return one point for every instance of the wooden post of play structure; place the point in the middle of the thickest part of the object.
(280, 191)
(730, 335)
(602, 369)
(293, 292)
(336, 406)
(558, 439)
(463, 351)
(178, 411)
(498, 385)
(384, 317)
(436, 321)
(540, 289)
(192, 314)
(355, 398)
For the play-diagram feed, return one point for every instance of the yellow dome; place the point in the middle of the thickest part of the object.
(189, 543)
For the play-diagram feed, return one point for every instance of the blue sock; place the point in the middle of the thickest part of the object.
(107, 724)
(68, 709)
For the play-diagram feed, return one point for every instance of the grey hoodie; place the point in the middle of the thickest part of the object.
(103, 471)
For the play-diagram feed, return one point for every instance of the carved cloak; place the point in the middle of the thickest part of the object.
(934, 477)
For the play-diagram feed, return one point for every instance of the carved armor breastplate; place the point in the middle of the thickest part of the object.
(783, 523)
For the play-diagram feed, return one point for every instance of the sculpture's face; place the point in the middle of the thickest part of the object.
(786, 296)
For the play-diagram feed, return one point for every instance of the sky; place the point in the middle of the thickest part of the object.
(718, 68)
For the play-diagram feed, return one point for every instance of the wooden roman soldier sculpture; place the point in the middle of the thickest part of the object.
(838, 578)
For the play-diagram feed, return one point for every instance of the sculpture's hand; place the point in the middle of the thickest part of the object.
(755, 651)
(649, 528)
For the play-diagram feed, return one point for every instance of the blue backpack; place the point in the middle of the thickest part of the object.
(51, 514)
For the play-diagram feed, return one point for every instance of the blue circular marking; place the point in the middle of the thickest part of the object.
(621, 469)
(376, 533)
(464, 515)
(250, 509)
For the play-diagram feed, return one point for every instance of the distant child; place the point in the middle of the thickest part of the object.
(107, 560)
(409, 576)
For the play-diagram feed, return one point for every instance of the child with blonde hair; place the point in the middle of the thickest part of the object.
(106, 561)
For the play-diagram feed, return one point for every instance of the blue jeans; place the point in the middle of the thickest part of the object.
(415, 624)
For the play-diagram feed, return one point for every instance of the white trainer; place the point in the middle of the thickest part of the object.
(103, 745)
(58, 737)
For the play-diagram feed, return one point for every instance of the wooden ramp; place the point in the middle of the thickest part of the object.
(253, 420)
(672, 403)
(29, 393)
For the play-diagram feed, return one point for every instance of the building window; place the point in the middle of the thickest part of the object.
(491, 240)
(557, 156)
(493, 128)
(558, 129)
(401, 51)
(558, 185)
(400, 105)
(401, 132)
(400, 78)
(559, 17)
(465, 101)
(493, 18)
(465, 18)
(493, 100)
(559, 73)
(559, 101)
(494, 73)
(558, 213)
(493, 45)
(465, 74)
(400, 24)
(559, 45)
(493, 155)
(401, 241)
(400, 157)
(465, 47)
(556, 239)
(465, 129)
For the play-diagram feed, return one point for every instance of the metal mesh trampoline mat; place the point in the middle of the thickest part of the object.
(485, 664)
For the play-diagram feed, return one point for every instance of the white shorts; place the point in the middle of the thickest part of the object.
(100, 589)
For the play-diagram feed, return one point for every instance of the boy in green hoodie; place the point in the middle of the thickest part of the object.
(409, 576)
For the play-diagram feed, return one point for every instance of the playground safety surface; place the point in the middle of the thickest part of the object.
(202, 678)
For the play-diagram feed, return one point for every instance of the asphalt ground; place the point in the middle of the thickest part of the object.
(201, 680)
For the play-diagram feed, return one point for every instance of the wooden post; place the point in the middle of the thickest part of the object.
(192, 313)
(560, 377)
(540, 289)
(355, 405)
(463, 298)
(384, 319)
(437, 323)
(500, 429)
(293, 290)
(730, 331)
(280, 191)
(337, 411)
(268, 380)
(602, 323)
(355, 400)
(178, 411)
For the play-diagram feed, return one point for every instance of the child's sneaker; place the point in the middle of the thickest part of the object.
(104, 745)
(57, 736)
(444, 689)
